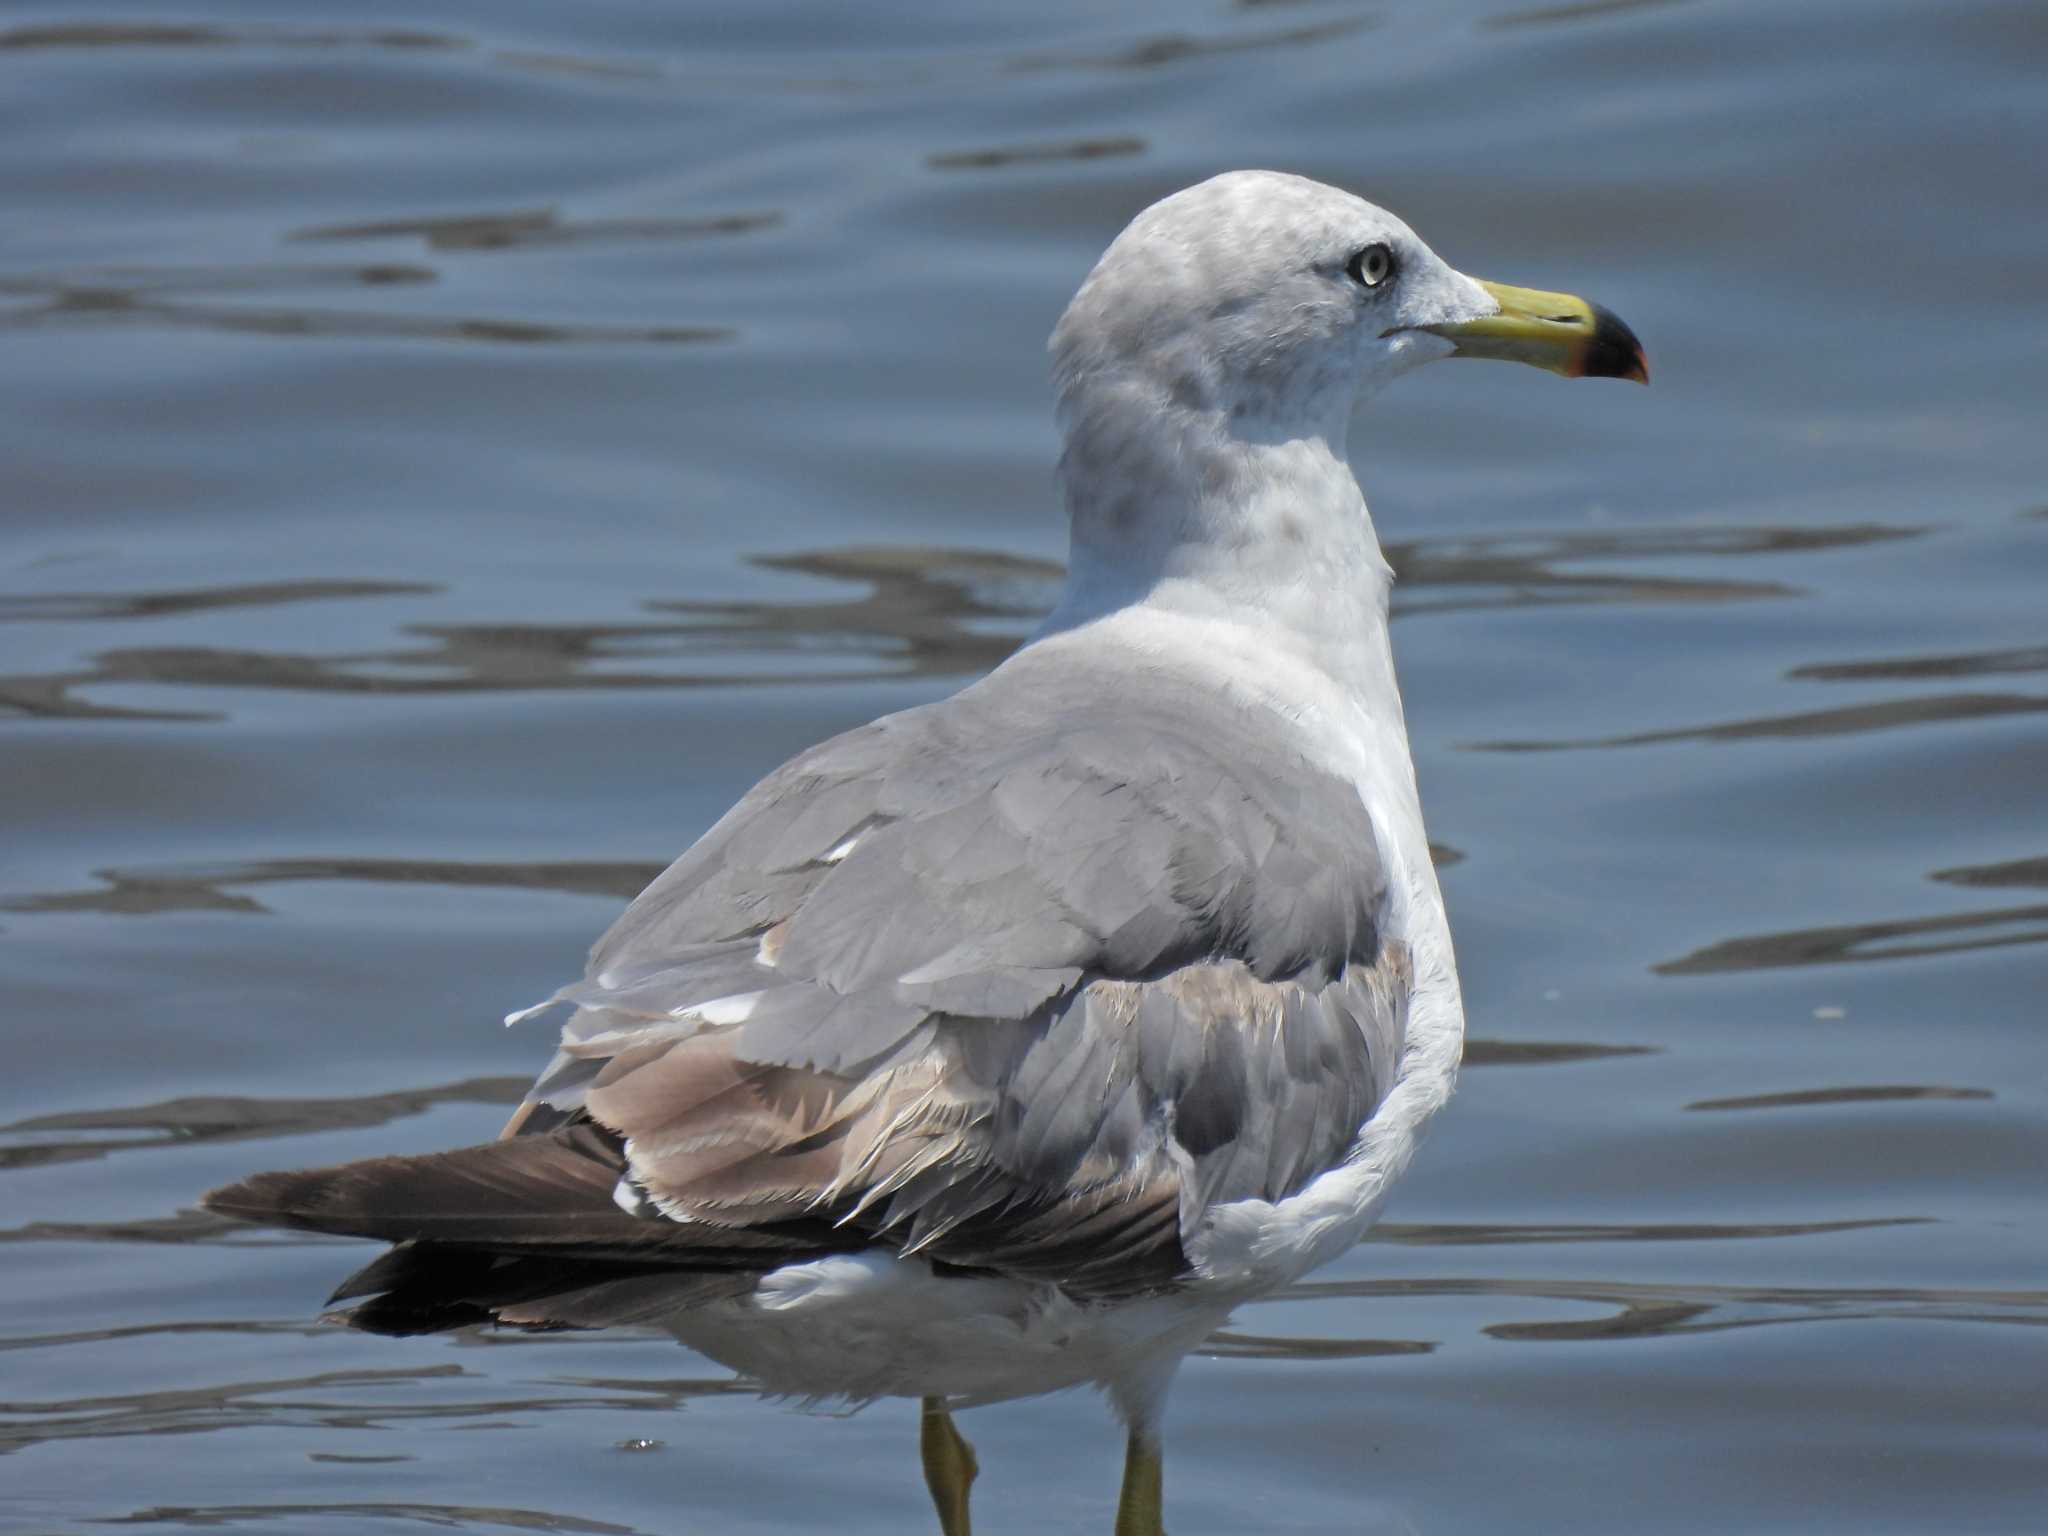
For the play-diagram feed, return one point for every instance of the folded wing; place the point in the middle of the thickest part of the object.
(1025, 981)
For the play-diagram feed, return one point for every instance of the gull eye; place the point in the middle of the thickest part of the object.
(1371, 266)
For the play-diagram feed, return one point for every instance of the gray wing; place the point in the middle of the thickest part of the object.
(1026, 979)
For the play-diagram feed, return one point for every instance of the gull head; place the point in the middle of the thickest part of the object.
(1263, 306)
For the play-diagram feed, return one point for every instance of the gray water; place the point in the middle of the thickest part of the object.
(451, 451)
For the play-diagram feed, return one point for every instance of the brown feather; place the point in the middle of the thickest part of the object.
(512, 1230)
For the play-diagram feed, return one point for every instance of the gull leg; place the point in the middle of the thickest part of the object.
(1139, 1394)
(1139, 1509)
(949, 1466)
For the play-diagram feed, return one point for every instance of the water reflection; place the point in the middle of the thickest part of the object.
(1839, 720)
(1911, 938)
(183, 1121)
(110, 285)
(1155, 51)
(1228, 1345)
(2026, 872)
(136, 34)
(99, 300)
(184, 1227)
(1536, 569)
(1639, 1311)
(1912, 668)
(445, 1516)
(1889, 714)
(1578, 10)
(1179, 47)
(1497, 1234)
(217, 888)
(135, 1331)
(458, 1395)
(1809, 1097)
(534, 227)
(1543, 1053)
(926, 612)
(180, 35)
(938, 612)
(369, 1398)
(83, 607)
(1034, 154)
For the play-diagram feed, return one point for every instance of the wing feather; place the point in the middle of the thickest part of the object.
(1026, 981)
(1033, 963)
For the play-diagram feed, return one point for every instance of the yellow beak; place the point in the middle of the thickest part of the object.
(1550, 330)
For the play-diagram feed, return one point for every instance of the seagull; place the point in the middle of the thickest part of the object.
(1007, 1044)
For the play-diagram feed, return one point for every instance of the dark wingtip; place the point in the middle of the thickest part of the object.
(263, 1198)
(1614, 352)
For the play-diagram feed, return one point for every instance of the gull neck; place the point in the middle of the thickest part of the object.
(1259, 527)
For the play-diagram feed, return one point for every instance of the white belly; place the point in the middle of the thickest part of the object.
(868, 1325)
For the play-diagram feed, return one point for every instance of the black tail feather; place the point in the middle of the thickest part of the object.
(523, 1231)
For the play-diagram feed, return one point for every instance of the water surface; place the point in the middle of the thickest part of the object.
(451, 453)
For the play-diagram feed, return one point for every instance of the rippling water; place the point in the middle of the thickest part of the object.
(451, 453)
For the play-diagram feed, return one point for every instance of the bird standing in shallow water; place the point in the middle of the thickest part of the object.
(1008, 1043)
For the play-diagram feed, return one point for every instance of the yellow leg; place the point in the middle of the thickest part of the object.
(1139, 1510)
(949, 1466)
